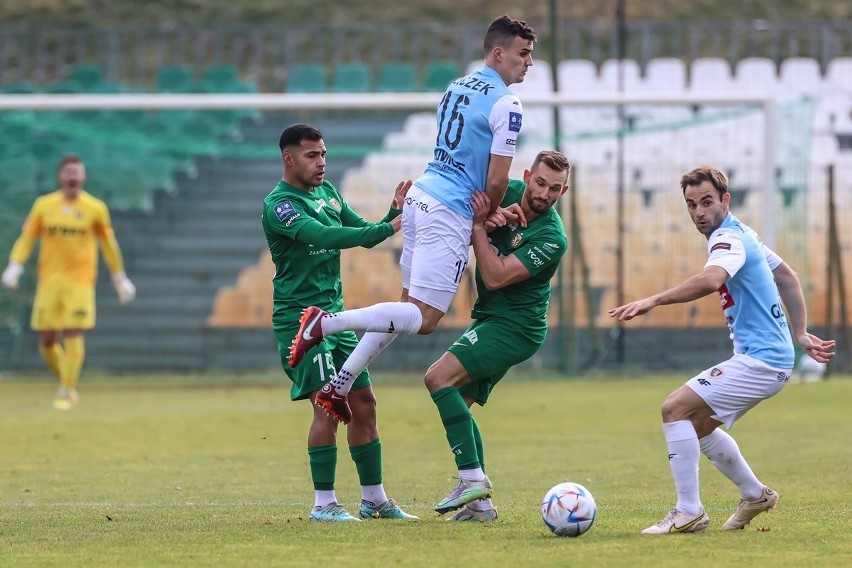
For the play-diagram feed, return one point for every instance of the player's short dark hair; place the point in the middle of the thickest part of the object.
(554, 160)
(294, 134)
(705, 173)
(504, 30)
(69, 159)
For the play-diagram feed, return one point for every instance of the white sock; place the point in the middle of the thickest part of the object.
(386, 317)
(683, 460)
(481, 505)
(367, 349)
(374, 494)
(324, 497)
(475, 474)
(722, 450)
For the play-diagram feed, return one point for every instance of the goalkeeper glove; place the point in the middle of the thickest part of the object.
(124, 287)
(12, 274)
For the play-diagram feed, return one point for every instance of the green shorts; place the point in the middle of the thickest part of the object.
(320, 364)
(489, 348)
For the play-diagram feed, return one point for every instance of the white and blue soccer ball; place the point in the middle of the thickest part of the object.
(568, 509)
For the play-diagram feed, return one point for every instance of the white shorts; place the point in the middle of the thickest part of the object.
(735, 386)
(435, 249)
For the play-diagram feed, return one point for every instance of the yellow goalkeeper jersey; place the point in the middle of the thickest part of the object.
(69, 231)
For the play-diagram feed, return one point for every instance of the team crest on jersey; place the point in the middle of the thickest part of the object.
(335, 204)
(716, 372)
(514, 122)
(283, 210)
(516, 240)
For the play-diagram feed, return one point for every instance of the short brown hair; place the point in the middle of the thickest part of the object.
(554, 160)
(705, 173)
(504, 30)
(69, 159)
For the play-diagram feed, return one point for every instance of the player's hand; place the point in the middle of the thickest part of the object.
(481, 204)
(633, 309)
(399, 194)
(124, 287)
(513, 214)
(820, 350)
(12, 274)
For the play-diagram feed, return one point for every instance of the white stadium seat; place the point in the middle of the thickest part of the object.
(757, 75)
(799, 76)
(710, 75)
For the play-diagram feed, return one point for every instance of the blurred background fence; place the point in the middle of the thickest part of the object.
(185, 186)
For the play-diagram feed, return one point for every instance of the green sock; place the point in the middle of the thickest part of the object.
(368, 462)
(477, 438)
(323, 460)
(457, 419)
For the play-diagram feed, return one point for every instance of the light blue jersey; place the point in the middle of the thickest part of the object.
(478, 116)
(749, 296)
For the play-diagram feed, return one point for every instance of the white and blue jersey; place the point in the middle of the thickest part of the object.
(478, 116)
(749, 296)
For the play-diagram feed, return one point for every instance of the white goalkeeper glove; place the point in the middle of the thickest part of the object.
(12, 274)
(124, 287)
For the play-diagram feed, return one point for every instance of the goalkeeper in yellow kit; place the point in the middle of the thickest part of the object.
(70, 223)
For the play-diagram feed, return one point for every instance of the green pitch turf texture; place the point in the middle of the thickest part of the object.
(183, 471)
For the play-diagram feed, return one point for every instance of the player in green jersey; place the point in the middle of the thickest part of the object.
(306, 223)
(514, 265)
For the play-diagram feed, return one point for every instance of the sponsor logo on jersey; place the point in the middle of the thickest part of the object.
(783, 377)
(283, 210)
(335, 204)
(514, 122)
(725, 297)
(516, 240)
(721, 246)
(291, 219)
(510, 142)
(320, 204)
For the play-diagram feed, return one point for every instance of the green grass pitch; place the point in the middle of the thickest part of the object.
(182, 471)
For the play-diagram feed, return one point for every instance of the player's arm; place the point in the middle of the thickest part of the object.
(22, 248)
(791, 294)
(112, 257)
(505, 123)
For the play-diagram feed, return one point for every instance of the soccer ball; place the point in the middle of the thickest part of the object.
(568, 509)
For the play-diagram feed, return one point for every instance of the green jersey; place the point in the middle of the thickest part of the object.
(305, 231)
(539, 247)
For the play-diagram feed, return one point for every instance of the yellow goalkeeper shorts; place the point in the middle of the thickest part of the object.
(63, 307)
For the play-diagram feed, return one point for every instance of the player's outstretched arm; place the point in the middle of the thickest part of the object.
(498, 179)
(705, 282)
(790, 290)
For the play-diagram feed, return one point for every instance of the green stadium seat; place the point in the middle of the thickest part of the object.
(352, 77)
(307, 78)
(397, 77)
(87, 76)
(438, 74)
(19, 88)
(174, 79)
(221, 77)
(64, 88)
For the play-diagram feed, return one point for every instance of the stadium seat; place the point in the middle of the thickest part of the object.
(610, 75)
(19, 88)
(756, 75)
(577, 76)
(664, 75)
(88, 76)
(222, 77)
(352, 77)
(710, 74)
(397, 77)
(174, 79)
(438, 74)
(799, 76)
(838, 75)
(307, 78)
